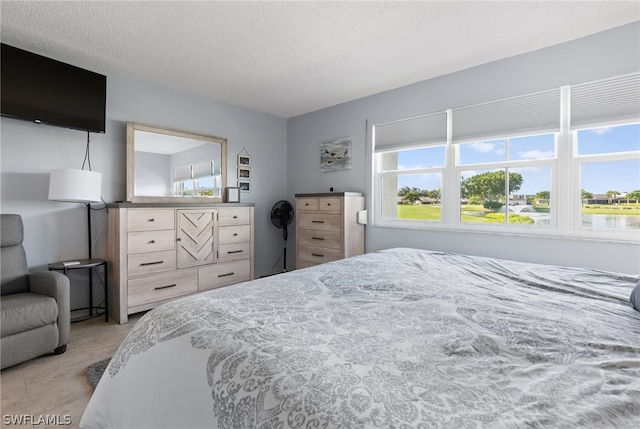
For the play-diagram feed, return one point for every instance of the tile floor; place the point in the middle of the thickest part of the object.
(56, 385)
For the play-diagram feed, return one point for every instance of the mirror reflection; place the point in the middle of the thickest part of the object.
(168, 166)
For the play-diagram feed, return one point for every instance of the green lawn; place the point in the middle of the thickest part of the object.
(421, 212)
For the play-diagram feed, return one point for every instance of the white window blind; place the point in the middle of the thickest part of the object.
(605, 100)
(517, 115)
(182, 173)
(202, 169)
(411, 133)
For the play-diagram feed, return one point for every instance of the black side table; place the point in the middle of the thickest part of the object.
(91, 265)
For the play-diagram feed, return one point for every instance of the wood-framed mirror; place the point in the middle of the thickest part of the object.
(171, 166)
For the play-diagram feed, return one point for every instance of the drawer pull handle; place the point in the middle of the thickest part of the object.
(318, 255)
(225, 275)
(328, 204)
(234, 251)
(317, 238)
(317, 221)
(152, 220)
(152, 242)
(164, 287)
(235, 217)
(235, 234)
(143, 264)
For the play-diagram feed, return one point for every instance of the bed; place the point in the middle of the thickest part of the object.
(400, 338)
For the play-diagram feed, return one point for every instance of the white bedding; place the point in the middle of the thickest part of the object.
(401, 338)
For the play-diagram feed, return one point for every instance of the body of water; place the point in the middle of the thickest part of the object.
(611, 221)
(596, 221)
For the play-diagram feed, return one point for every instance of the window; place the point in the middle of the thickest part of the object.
(410, 160)
(605, 133)
(196, 180)
(564, 162)
(519, 192)
(609, 172)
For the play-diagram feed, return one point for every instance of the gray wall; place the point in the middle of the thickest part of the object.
(286, 156)
(57, 231)
(602, 55)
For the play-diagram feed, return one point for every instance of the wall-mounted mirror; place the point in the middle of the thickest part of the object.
(174, 166)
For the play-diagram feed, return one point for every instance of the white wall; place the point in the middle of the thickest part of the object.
(57, 231)
(606, 54)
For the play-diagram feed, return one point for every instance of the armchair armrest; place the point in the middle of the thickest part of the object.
(55, 285)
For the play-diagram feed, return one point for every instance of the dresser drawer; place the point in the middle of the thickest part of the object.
(305, 264)
(234, 251)
(330, 204)
(307, 204)
(320, 221)
(319, 238)
(150, 241)
(234, 234)
(158, 287)
(150, 219)
(318, 255)
(149, 263)
(234, 216)
(223, 274)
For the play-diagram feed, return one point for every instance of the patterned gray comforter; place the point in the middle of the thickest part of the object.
(401, 338)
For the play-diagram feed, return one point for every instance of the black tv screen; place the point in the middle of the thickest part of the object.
(43, 90)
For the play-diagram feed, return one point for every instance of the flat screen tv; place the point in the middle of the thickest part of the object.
(43, 90)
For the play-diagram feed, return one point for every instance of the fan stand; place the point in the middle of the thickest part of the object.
(284, 267)
(285, 234)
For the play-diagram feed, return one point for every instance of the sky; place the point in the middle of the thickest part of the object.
(596, 177)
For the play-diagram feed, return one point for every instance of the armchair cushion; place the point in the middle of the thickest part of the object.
(56, 285)
(25, 311)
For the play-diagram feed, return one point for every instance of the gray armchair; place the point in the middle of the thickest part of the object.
(35, 309)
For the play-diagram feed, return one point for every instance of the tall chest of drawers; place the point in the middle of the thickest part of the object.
(159, 252)
(327, 227)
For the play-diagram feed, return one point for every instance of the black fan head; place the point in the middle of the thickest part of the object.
(282, 213)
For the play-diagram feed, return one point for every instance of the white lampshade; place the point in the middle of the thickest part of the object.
(75, 186)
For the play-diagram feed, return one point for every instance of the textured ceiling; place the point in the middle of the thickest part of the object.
(290, 58)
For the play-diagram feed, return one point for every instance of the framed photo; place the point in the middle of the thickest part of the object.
(244, 161)
(244, 173)
(244, 185)
(233, 195)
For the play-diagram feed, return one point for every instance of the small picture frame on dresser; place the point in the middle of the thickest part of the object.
(233, 195)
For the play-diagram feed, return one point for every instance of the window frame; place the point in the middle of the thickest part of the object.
(380, 175)
(565, 201)
(577, 229)
(552, 162)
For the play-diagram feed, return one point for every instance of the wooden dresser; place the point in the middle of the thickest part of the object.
(159, 252)
(327, 227)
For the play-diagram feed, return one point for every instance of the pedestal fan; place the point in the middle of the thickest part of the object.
(281, 217)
